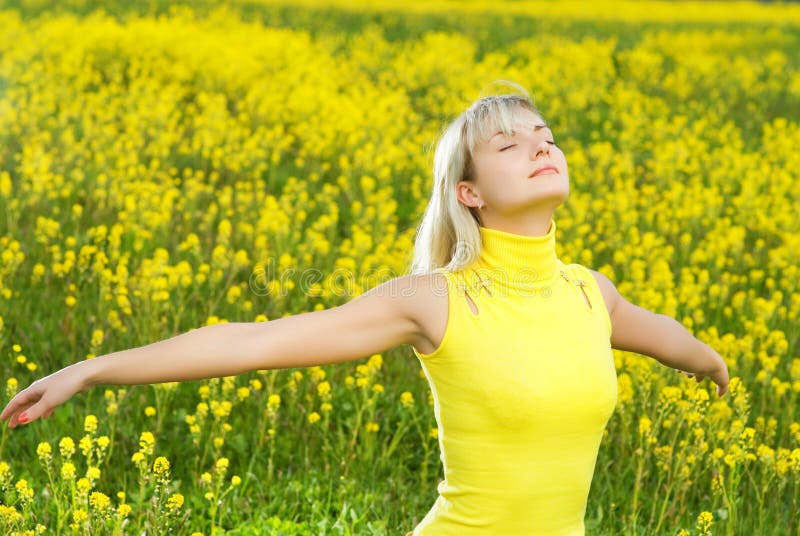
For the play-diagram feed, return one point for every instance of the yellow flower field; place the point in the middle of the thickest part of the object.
(168, 167)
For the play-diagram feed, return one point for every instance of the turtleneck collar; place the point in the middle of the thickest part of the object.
(516, 261)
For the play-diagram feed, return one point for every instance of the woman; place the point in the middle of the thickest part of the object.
(516, 345)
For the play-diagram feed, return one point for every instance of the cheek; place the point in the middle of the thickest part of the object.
(561, 155)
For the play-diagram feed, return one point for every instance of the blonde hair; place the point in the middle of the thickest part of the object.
(449, 237)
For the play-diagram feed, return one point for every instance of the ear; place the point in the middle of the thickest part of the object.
(467, 193)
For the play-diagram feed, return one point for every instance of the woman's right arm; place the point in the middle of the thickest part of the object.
(381, 318)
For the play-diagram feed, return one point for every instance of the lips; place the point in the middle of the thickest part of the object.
(547, 168)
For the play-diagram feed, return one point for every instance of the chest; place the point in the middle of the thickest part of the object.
(545, 356)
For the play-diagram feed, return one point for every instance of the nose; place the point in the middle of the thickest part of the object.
(542, 149)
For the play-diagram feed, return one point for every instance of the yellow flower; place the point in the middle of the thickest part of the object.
(175, 501)
(221, 409)
(235, 480)
(372, 427)
(161, 466)
(375, 362)
(85, 444)
(66, 446)
(378, 388)
(97, 338)
(645, 426)
(147, 442)
(67, 470)
(149, 411)
(9, 514)
(99, 501)
(323, 389)
(670, 395)
(138, 457)
(83, 485)
(205, 478)
(406, 399)
(79, 516)
(93, 473)
(313, 417)
(242, 393)
(23, 490)
(123, 510)
(44, 451)
(274, 402)
(317, 374)
(704, 522)
(11, 387)
(221, 465)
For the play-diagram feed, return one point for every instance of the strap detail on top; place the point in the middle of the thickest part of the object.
(585, 281)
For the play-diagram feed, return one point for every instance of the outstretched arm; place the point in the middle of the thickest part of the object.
(663, 338)
(379, 319)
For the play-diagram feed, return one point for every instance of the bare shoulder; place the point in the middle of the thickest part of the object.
(607, 289)
(424, 299)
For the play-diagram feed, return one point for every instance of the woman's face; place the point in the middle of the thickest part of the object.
(517, 174)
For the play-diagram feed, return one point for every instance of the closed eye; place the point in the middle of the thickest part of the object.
(508, 146)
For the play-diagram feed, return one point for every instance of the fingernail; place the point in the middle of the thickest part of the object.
(23, 418)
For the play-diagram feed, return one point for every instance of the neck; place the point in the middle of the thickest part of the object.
(534, 224)
(517, 261)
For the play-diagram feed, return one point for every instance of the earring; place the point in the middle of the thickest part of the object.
(480, 207)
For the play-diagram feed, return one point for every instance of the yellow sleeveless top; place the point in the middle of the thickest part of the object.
(522, 392)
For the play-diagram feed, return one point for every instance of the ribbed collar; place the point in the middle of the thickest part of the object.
(516, 261)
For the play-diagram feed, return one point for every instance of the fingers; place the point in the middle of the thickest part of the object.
(23, 408)
(722, 385)
(29, 413)
(26, 397)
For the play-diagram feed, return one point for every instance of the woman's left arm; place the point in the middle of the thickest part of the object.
(663, 338)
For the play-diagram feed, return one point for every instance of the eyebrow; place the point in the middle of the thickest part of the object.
(536, 128)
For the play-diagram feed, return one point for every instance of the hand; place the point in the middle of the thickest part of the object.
(43, 396)
(719, 376)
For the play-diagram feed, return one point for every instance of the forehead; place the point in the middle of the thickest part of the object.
(504, 122)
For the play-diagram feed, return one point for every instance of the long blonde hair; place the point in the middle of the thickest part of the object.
(449, 237)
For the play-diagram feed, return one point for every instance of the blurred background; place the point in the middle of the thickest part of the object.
(169, 165)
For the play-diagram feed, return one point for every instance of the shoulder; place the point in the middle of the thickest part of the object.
(607, 289)
(424, 299)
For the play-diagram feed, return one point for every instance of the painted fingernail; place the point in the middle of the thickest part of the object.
(23, 418)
